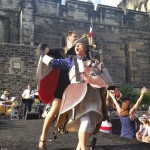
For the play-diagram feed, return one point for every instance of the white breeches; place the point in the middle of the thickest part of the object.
(88, 123)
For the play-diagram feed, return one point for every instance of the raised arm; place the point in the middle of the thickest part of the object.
(112, 95)
(136, 106)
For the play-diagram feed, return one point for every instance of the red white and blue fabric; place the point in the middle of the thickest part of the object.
(68, 63)
(106, 127)
(47, 79)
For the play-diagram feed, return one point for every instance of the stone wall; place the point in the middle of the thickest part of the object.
(115, 33)
(123, 38)
(138, 5)
(18, 65)
(9, 21)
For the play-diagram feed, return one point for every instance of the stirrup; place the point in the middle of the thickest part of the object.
(43, 146)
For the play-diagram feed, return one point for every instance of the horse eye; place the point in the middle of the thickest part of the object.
(93, 74)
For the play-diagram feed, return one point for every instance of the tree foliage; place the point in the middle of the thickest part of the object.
(132, 94)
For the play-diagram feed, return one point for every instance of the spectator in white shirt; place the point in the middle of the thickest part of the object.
(4, 96)
(27, 99)
(28, 93)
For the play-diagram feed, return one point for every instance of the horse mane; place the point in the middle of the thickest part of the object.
(56, 52)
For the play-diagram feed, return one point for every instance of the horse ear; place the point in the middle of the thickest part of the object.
(56, 52)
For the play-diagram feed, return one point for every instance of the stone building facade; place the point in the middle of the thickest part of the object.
(122, 35)
(137, 5)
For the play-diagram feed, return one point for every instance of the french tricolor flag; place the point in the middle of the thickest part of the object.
(91, 29)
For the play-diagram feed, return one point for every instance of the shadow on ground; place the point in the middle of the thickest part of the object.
(24, 135)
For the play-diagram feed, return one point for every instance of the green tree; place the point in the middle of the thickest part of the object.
(146, 99)
(128, 93)
(132, 94)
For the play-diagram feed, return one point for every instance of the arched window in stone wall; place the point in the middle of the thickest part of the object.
(4, 29)
(10, 1)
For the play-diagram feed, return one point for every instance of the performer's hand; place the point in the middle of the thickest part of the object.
(95, 63)
(88, 63)
(47, 59)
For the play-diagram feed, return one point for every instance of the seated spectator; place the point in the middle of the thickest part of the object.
(146, 135)
(4, 96)
(143, 125)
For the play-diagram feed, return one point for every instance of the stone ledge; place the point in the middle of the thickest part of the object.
(18, 45)
(10, 10)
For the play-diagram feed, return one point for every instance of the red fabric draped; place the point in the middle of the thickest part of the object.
(48, 86)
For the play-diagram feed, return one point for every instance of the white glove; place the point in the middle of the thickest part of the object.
(47, 59)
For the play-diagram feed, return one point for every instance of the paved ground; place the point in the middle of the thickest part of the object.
(24, 135)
